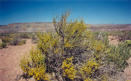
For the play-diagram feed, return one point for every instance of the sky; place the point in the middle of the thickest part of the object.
(91, 11)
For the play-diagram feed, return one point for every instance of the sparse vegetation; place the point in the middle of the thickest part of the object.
(17, 41)
(123, 35)
(16, 38)
(119, 55)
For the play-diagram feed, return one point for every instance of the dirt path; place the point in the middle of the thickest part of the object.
(9, 60)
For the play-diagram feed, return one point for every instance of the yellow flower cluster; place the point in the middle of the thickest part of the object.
(68, 68)
(88, 79)
(89, 67)
(68, 45)
(24, 65)
(36, 57)
(48, 42)
(34, 65)
(40, 74)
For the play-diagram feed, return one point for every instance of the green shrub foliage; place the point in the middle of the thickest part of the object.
(119, 55)
(3, 45)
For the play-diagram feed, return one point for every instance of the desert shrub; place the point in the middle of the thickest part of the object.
(123, 35)
(119, 54)
(3, 45)
(12, 39)
(72, 53)
(23, 42)
(17, 41)
(103, 36)
(0, 44)
(34, 65)
(128, 43)
(24, 35)
(34, 38)
(6, 39)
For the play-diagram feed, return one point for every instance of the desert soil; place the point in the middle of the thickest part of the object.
(127, 71)
(10, 59)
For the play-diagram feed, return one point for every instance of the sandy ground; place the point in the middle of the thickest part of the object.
(127, 71)
(9, 60)
(113, 40)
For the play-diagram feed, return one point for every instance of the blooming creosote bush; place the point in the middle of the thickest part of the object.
(72, 53)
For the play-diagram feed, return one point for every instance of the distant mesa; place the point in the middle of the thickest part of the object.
(47, 26)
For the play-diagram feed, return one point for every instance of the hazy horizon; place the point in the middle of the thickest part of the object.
(92, 12)
(51, 22)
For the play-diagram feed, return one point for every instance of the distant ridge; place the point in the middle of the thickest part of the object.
(48, 26)
(27, 27)
(111, 27)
